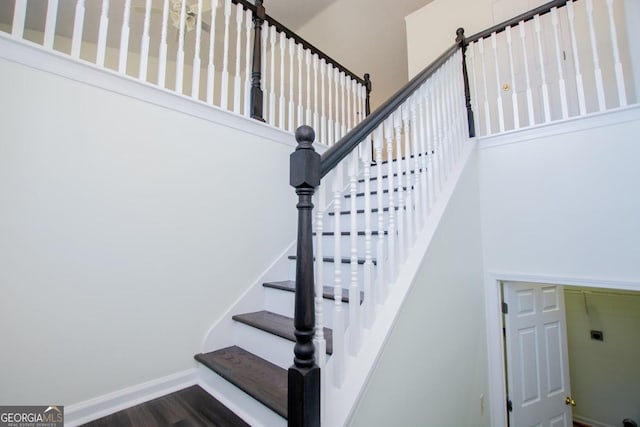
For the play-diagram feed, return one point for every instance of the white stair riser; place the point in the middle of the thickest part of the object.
(273, 348)
(282, 302)
(328, 271)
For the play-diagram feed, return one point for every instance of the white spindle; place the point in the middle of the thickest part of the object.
(247, 63)
(596, 59)
(323, 117)
(487, 114)
(195, 78)
(414, 137)
(330, 135)
(399, 161)
(291, 80)
(347, 85)
(144, 42)
(369, 288)
(211, 67)
(561, 84)
(124, 37)
(180, 53)
(543, 73)
(307, 61)
(498, 84)
(237, 80)
(162, 53)
(78, 26)
(622, 95)
(391, 230)
(338, 312)
(530, 112)
(432, 164)
(272, 76)
(343, 109)
(355, 91)
(19, 17)
(300, 83)
(224, 86)
(50, 23)
(336, 80)
(407, 213)
(354, 288)
(582, 104)
(514, 94)
(422, 144)
(319, 340)
(381, 285)
(281, 104)
(102, 31)
(316, 116)
(440, 141)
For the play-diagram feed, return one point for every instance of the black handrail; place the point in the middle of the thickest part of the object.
(527, 16)
(342, 148)
(305, 44)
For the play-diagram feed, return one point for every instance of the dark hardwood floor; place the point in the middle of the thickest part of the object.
(189, 407)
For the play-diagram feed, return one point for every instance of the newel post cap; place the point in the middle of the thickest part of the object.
(304, 162)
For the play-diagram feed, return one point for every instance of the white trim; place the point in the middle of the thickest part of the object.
(589, 421)
(89, 410)
(35, 56)
(561, 127)
(495, 351)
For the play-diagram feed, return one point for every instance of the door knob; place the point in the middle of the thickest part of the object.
(569, 401)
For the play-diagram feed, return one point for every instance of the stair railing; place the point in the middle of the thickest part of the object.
(562, 60)
(423, 127)
(225, 53)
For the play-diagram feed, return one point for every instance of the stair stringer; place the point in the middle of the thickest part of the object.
(339, 402)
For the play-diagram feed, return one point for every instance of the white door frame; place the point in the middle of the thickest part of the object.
(495, 343)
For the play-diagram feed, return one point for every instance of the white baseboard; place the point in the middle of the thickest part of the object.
(589, 421)
(89, 410)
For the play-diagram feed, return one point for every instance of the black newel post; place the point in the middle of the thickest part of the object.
(367, 86)
(304, 374)
(256, 69)
(461, 40)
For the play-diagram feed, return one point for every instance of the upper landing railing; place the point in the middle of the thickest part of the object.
(226, 53)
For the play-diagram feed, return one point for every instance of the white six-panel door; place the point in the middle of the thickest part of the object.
(537, 359)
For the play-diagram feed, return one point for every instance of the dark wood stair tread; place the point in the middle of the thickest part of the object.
(279, 325)
(191, 406)
(361, 211)
(348, 233)
(257, 377)
(327, 291)
(343, 260)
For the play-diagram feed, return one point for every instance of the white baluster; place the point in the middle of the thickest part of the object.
(338, 312)
(237, 80)
(323, 117)
(102, 31)
(316, 116)
(576, 60)
(307, 61)
(378, 141)
(498, 84)
(422, 137)
(330, 135)
(180, 53)
(247, 63)
(531, 116)
(124, 37)
(354, 288)
(211, 68)
(318, 339)
(622, 95)
(416, 206)
(281, 103)
(224, 87)
(347, 85)
(272, 76)
(514, 94)
(291, 79)
(391, 238)
(50, 24)
(300, 77)
(596, 60)
(343, 110)
(144, 43)
(408, 193)
(19, 16)
(399, 161)
(432, 166)
(487, 114)
(355, 99)
(336, 81)
(162, 53)
(543, 73)
(78, 26)
(195, 78)
(369, 303)
(561, 84)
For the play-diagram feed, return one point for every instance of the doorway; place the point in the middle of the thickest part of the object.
(571, 346)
